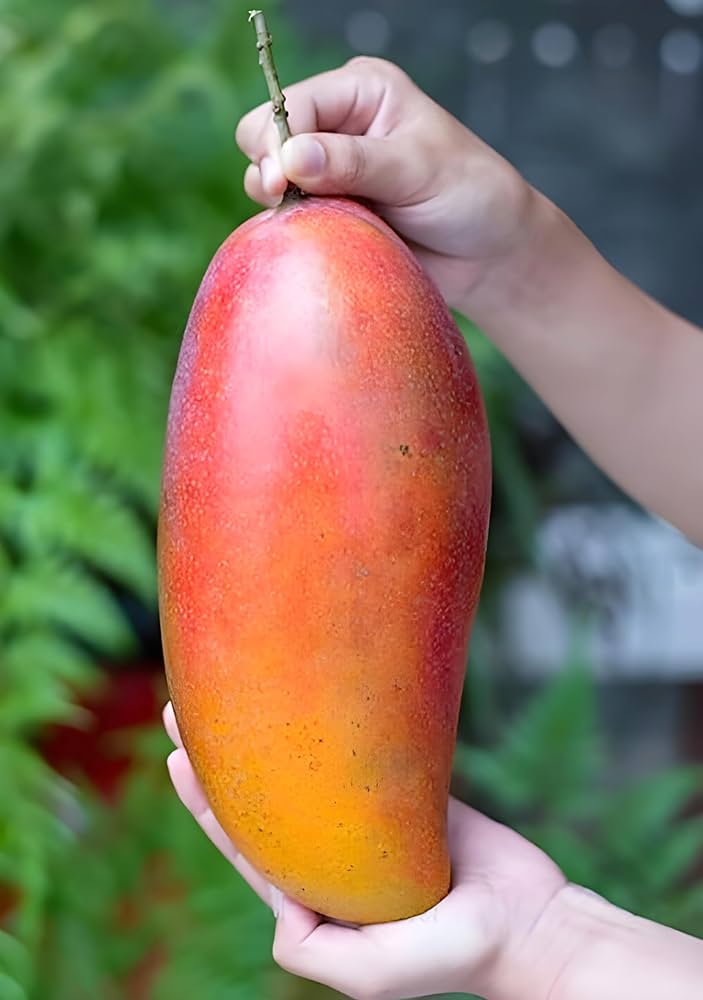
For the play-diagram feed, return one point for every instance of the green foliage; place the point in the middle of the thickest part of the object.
(547, 776)
(120, 178)
(166, 893)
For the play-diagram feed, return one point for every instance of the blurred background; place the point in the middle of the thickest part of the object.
(119, 179)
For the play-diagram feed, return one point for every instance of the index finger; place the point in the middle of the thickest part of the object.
(170, 725)
(349, 99)
(192, 795)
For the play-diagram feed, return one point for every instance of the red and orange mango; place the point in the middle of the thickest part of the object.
(321, 546)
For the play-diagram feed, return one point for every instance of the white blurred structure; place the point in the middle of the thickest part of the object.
(641, 582)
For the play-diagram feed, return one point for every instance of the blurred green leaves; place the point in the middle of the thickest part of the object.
(120, 178)
(150, 905)
(549, 756)
(547, 775)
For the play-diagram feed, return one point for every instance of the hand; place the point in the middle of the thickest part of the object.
(504, 255)
(367, 131)
(475, 940)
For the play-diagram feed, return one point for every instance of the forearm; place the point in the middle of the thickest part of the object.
(620, 372)
(583, 948)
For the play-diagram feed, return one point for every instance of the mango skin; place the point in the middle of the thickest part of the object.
(321, 543)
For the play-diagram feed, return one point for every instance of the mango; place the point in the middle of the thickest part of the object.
(321, 543)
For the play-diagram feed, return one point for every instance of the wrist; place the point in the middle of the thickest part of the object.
(532, 280)
(567, 939)
(582, 947)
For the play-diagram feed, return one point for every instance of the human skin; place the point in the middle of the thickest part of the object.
(617, 369)
(624, 376)
(512, 927)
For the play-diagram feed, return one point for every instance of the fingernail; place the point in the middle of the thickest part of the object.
(303, 156)
(276, 901)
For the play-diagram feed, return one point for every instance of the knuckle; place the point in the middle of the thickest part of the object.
(381, 74)
(381, 67)
(354, 167)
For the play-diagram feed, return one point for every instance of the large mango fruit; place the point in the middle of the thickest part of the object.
(321, 547)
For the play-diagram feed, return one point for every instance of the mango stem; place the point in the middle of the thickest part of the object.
(278, 100)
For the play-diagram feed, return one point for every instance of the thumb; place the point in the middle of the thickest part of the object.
(340, 957)
(331, 163)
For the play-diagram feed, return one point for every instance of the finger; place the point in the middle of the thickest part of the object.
(256, 190)
(273, 180)
(191, 794)
(380, 170)
(339, 957)
(406, 958)
(342, 100)
(188, 788)
(170, 724)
